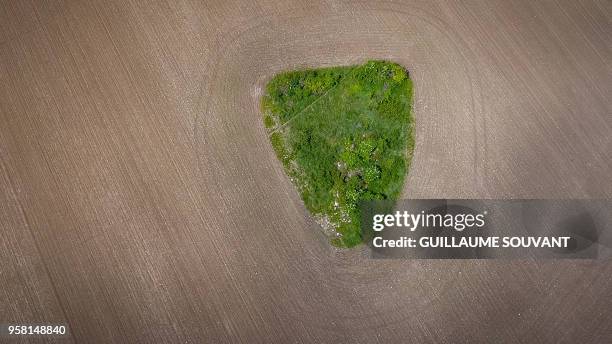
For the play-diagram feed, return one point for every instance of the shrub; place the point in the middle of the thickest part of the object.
(343, 135)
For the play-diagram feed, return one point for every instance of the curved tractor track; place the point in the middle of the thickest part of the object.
(141, 200)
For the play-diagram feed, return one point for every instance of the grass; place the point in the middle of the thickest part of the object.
(343, 135)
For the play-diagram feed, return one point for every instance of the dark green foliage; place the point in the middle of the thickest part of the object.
(344, 135)
(289, 93)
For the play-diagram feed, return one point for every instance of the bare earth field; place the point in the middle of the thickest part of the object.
(140, 199)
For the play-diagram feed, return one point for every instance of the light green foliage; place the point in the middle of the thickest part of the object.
(344, 135)
(268, 122)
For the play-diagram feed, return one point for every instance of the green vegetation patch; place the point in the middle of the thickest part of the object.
(344, 135)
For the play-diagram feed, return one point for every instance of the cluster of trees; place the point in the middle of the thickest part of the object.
(289, 93)
(349, 138)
